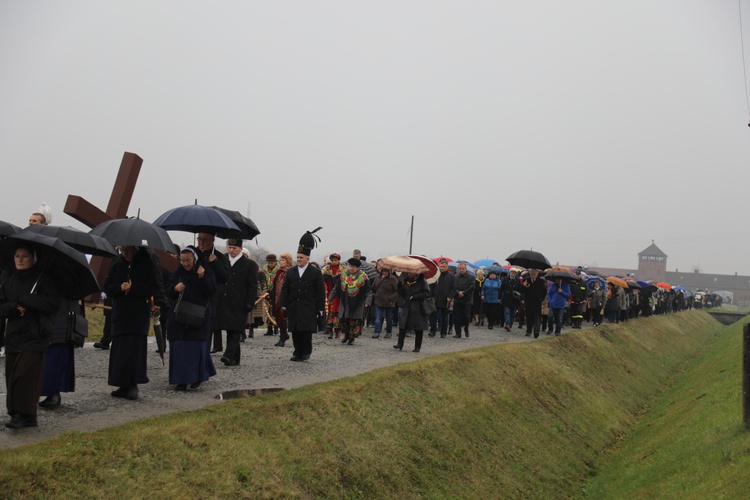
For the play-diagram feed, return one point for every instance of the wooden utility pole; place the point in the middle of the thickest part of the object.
(411, 235)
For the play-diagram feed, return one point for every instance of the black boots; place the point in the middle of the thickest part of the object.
(19, 421)
(51, 402)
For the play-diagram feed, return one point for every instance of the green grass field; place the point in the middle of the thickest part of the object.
(647, 409)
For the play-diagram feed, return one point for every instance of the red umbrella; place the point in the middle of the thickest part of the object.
(432, 268)
(438, 259)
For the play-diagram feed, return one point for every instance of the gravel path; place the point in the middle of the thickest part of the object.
(263, 366)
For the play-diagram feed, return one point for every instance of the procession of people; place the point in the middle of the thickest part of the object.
(210, 294)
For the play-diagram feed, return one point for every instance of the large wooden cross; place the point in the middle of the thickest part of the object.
(119, 201)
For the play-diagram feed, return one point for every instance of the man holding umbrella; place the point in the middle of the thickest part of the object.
(211, 258)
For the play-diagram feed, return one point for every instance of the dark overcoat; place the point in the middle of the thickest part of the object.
(351, 307)
(534, 292)
(40, 296)
(303, 298)
(131, 312)
(220, 268)
(237, 296)
(413, 293)
(197, 291)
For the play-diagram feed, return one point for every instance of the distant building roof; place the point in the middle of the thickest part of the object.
(652, 251)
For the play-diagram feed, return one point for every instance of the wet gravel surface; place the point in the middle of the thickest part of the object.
(262, 366)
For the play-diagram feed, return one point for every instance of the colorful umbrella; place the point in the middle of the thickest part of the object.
(617, 281)
(665, 286)
(432, 268)
(403, 263)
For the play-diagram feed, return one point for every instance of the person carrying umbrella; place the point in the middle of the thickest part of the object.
(189, 359)
(534, 291)
(29, 299)
(557, 296)
(131, 282)
(210, 258)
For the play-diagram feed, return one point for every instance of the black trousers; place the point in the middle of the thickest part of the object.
(533, 318)
(218, 341)
(302, 343)
(417, 337)
(462, 317)
(233, 345)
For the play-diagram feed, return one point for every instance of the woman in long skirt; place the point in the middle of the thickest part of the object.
(189, 359)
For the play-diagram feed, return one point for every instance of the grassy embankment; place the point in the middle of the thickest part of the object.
(514, 420)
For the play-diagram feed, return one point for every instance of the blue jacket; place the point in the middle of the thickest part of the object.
(491, 291)
(558, 300)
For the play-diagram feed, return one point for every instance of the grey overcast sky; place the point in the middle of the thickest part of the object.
(581, 129)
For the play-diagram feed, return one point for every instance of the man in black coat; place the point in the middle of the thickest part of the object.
(463, 302)
(236, 299)
(303, 298)
(211, 258)
(534, 292)
(443, 290)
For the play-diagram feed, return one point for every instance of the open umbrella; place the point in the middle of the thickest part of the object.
(499, 270)
(195, 219)
(529, 259)
(403, 263)
(617, 281)
(6, 228)
(247, 228)
(67, 265)
(80, 240)
(562, 273)
(590, 282)
(665, 286)
(633, 284)
(432, 268)
(485, 262)
(437, 260)
(134, 232)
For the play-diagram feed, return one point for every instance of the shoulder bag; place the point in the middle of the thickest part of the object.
(189, 314)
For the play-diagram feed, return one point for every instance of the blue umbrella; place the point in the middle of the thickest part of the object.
(590, 282)
(470, 268)
(195, 219)
(485, 262)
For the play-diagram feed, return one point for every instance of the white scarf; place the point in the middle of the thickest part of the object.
(232, 260)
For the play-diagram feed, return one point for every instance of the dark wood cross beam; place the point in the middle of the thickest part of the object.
(119, 201)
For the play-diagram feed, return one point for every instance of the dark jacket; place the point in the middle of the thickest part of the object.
(386, 291)
(413, 292)
(131, 312)
(197, 291)
(237, 296)
(350, 306)
(578, 292)
(303, 298)
(32, 331)
(220, 268)
(465, 284)
(443, 289)
(61, 322)
(534, 292)
(510, 292)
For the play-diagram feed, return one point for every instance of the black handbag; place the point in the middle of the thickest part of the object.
(78, 329)
(189, 314)
(428, 306)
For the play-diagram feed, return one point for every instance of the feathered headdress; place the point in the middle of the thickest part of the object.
(307, 242)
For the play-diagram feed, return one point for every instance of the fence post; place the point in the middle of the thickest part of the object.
(746, 375)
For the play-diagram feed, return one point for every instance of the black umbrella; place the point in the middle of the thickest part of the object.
(161, 343)
(6, 228)
(67, 265)
(135, 233)
(80, 240)
(247, 228)
(195, 219)
(528, 259)
(561, 273)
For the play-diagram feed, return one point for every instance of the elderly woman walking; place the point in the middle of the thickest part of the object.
(413, 290)
(189, 357)
(29, 300)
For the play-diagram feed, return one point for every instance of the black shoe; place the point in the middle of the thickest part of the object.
(225, 360)
(51, 402)
(376, 336)
(345, 340)
(195, 385)
(280, 343)
(120, 392)
(101, 346)
(132, 393)
(398, 346)
(431, 334)
(507, 328)
(416, 349)
(528, 334)
(18, 421)
(457, 336)
(490, 327)
(305, 357)
(351, 341)
(180, 387)
(215, 350)
(467, 334)
(296, 358)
